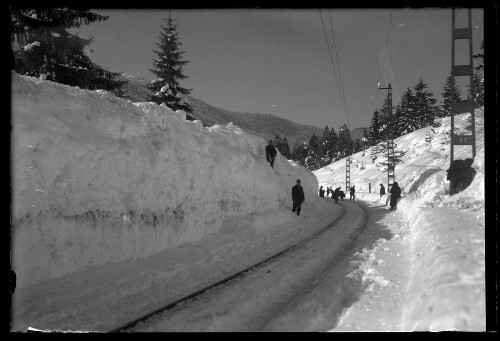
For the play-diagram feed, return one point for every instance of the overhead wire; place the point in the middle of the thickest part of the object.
(386, 46)
(332, 62)
(339, 71)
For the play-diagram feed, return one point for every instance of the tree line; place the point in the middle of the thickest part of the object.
(416, 109)
(43, 47)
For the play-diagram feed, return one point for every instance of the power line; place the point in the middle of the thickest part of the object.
(339, 87)
(331, 60)
(340, 74)
(386, 45)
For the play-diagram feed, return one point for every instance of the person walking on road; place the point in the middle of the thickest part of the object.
(395, 195)
(352, 191)
(271, 153)
(382, 190)
(297, 197)
(321, 192)
(342, 194)
(336, 194)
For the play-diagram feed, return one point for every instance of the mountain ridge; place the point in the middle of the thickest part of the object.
(264, 125)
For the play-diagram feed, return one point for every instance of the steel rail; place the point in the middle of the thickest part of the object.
(171, 305)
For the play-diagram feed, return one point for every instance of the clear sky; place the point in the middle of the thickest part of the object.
(277, 61)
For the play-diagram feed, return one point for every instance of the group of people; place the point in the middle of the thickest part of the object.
(338, 193)
(298, 192)
(395, 194)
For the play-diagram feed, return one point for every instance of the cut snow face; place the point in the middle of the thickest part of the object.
(98, 179)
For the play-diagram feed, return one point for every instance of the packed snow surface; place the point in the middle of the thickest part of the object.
(119, 208)
(98, 179)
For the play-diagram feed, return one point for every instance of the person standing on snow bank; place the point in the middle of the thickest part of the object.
(382, 190)
(352, 190)
(297, 197)
(270, 153)
(395, 195)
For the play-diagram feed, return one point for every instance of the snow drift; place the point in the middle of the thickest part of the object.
(97, 179)
(446, 288)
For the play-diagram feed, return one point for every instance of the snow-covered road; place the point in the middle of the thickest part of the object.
(249, 302)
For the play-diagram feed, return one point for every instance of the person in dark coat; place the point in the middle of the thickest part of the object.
(336, 194)
(352, 190)
(395, 195)
(328, 191)
(321, 192)
(382, 190)
(342, 195)
(297, 197)
(270, 153)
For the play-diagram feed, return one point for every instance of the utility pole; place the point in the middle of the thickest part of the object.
(462, 106)
(391, 160)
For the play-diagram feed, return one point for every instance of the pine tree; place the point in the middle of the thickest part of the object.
(424, 104)
(44, 48)
(315, 155)
(285, 151)
(345, 142)
(375, 135)
(332, 148)
(445, 106)
(478, 80)
(385, 114)
(277, 142)
(299, 152)
(406, 117)
(325, 145)
(169, 70)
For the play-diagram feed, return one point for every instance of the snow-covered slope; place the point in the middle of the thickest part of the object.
(98, 179)
(446, 286)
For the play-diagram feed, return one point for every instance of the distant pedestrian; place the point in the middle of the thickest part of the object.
(382, 190)
(342, 195)
(321, 192)
(352, 191)
(297, 197)
(395, 195)
(336, 194)
(328, 191)
(271, 153)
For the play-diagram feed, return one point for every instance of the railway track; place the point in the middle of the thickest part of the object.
(132, 324)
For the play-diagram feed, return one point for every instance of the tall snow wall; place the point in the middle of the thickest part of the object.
(97, 179)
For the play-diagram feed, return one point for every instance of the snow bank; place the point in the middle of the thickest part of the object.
(98, 179)
(446, 289)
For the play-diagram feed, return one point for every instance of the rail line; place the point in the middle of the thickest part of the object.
(171, 305)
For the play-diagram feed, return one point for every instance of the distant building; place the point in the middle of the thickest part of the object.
(359, 132)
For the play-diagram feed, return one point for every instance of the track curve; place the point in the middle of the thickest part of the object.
(276, 276)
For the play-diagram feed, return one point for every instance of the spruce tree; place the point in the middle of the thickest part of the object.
(332, 145)
(424, 104)
(315, 154)
(406, 117)
(375, 135)
(445, 106)
(44, 48)
(168, 67)
(300, 152)
(345, 142)
(325, 144)
(385, 114)
(285, 148)
(478, 80)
